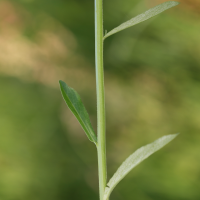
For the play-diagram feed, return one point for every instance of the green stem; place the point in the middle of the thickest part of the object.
(101, 142)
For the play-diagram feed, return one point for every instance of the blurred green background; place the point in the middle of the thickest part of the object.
(152, 80)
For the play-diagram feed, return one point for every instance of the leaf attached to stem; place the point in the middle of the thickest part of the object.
(75, 104)
(142, 17)
(134, 159)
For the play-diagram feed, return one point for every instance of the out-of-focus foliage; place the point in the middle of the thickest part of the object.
(154, 67)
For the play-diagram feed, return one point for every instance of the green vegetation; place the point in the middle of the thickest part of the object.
(151, 89)
(76, 106)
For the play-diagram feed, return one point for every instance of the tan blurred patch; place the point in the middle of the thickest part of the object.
(193, 5)
(9, 16)
(50, 57)
(188, 5)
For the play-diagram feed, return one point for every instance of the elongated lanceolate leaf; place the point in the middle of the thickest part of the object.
(137, 157)
(144, 16)
(75, 104)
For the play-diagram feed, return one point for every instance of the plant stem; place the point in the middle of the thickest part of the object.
(101, 141)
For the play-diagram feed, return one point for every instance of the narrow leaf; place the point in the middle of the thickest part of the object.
(75, 104)
(134, 159)
(144, 16)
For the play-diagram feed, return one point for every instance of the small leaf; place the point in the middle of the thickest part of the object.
(134, 159)
(144, 16)
(75, 104)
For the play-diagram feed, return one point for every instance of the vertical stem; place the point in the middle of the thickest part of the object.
(101, 143)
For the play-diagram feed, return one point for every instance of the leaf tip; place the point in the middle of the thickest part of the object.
(61, 82)
(63, 85)
(175, 135)
(170, 137)
(176, 3)
(173, 3)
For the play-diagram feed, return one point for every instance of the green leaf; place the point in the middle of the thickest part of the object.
(142, 17)
(134, 159)
(75, 104)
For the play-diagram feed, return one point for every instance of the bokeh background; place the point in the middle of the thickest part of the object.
(152, 80)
